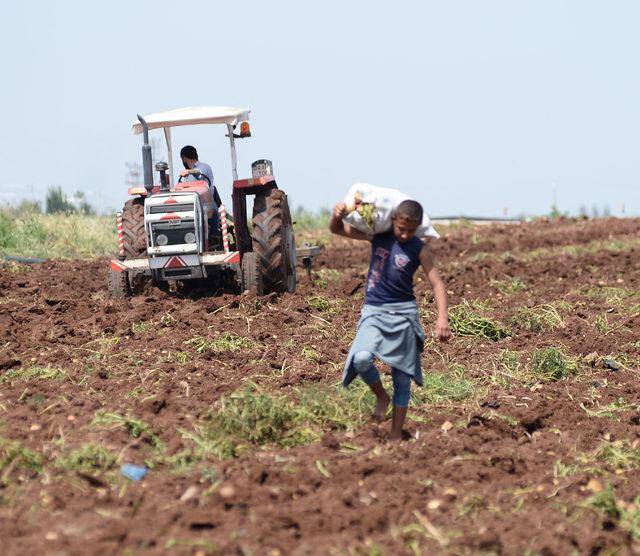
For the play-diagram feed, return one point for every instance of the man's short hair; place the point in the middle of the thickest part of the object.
(411, 210)
(189, 152)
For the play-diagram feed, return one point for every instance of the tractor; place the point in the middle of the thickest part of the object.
(168, 232)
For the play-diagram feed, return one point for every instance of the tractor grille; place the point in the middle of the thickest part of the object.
(179, 207)
(175, 232)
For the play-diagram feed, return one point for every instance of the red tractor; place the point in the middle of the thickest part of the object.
(165, 232)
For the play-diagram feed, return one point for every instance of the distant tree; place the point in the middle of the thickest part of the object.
(82, 205)
(57, 202)
(134, 174)
(555, 213)
(583, 212)
(595, 212)
(606, 211)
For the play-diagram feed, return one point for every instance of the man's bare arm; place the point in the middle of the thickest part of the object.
(443, 332)
(337, 226)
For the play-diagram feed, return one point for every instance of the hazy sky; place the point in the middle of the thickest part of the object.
(470, 106)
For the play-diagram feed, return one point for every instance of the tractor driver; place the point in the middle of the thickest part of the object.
(189, 156)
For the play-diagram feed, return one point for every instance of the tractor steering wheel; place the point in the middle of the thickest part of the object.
(196, 174)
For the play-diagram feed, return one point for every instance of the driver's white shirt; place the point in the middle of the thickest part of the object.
(206, 170)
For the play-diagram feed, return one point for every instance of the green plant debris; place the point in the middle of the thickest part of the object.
(168, 319)
(252, 418)
(551, 364)
(140, 327)
(102, 348)
(511, 368)
(33, 373)
(323, 304)
(180, 357)
(135, 392)
(16, 457)
(135, 427)
(605, 502)
(88, 458)
(310, 354)
(612, 296)
(602, 325)
(14, 267)
(610, 410)
(472, 505)
(507, 368)
(466, 319)
(508, 285)
(322, 468)
(227, 341)
(565, 470)
(443, 388)
(619, 454)
(422, 530)
(537, 319)
(367, 212)
(625, 515)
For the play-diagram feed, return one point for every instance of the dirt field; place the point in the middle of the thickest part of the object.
(525, 438)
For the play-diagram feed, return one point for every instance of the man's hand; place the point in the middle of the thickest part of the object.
(337, 226)
(340, 211)
(443, 332)
(184, 173)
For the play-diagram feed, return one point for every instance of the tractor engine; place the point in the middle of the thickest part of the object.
(176, 233)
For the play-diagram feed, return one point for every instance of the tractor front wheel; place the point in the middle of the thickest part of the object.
(274, 242)
(118, 284)
(251, 273)
(135, 241)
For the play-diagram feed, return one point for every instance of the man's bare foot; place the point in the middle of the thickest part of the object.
(395, 436)
(382, 405)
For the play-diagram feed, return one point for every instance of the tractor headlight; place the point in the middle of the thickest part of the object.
(162, 239)
(189, 237)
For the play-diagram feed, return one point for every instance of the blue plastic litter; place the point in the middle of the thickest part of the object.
(133, 472)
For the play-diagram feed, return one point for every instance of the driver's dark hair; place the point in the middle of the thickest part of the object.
(411, 210)
(189, 152)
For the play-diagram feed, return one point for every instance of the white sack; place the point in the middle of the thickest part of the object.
(385, 201)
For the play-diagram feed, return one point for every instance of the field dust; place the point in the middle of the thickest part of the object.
(526, 443)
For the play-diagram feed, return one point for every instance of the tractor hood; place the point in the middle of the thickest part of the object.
(194, 115)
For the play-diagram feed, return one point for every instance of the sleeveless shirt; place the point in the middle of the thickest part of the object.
(393, 264)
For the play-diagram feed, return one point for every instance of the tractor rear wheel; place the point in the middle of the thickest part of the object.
(274, 242)
(118, 284)
(135, 241)
(251, 273)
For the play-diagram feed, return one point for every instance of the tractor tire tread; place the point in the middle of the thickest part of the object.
(135, 241)
(271, 217)
(118, 284)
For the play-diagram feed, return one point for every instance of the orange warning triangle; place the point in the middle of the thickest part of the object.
(175, 262)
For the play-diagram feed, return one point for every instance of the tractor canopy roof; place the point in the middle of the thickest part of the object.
(194, 115)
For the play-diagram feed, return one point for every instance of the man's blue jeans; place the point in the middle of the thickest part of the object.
(363, 363)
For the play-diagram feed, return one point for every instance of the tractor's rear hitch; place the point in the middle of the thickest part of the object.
(307, 252)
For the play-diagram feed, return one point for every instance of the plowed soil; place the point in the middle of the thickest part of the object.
(512, 466)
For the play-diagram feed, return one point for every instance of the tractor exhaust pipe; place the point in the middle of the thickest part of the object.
(146, 157)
